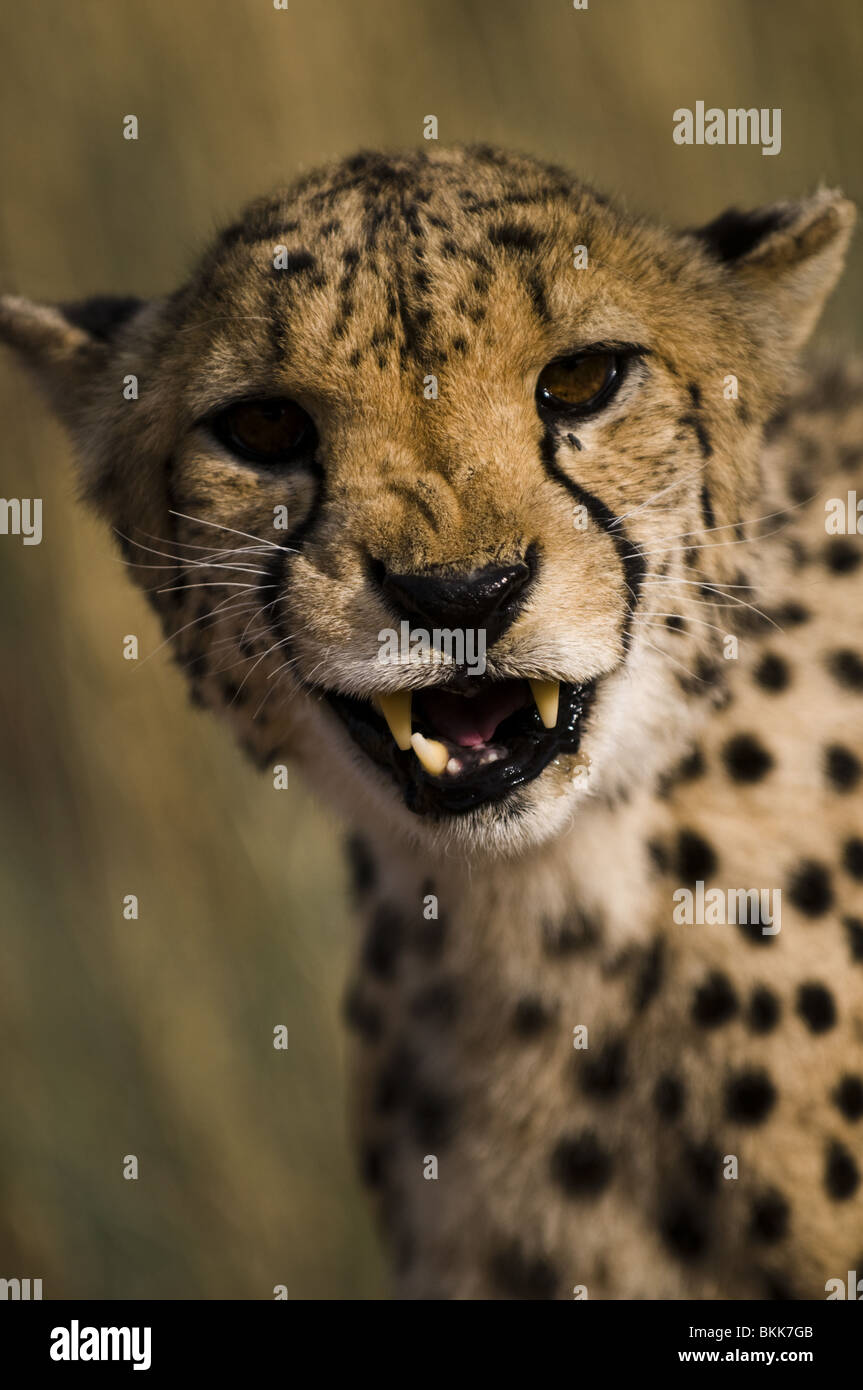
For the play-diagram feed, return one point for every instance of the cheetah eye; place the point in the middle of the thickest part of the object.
(267, 431)
(579, 385)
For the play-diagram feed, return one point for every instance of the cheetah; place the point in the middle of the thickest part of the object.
(462, 391)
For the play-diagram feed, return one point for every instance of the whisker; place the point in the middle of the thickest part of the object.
(714, 545)
(225, 318)
(672, 659)
(217, 525)
(224, 605)
(702, 622)
(659, 579)
(182, 560)
(730, 525)
(197, 564)
(212, 584)
(678, 482)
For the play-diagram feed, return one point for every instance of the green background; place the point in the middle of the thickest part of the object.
(155, 1037)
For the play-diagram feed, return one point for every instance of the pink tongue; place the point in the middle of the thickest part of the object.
(471, 723)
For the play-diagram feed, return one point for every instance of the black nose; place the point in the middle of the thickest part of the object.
(487, 598)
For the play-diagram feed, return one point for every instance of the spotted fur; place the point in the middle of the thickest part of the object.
(488, 938)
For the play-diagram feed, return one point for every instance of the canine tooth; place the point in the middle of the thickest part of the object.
(547, 696)
(434, 756)
(396, 710)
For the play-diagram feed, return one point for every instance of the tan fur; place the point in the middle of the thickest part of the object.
(555, 907)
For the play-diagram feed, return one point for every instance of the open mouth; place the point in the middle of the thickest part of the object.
(451, 750)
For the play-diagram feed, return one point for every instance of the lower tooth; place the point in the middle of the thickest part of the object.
(434, 756)
(547, 697)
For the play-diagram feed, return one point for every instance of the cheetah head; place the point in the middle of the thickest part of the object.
(434, 467)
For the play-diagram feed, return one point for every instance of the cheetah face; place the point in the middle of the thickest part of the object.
(425, 409)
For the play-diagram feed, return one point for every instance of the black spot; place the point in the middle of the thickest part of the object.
(383, 942)
(816, 1007)
(675, 622)
(395, 1081)
(430, 937)
(581, 1165)
(749, 1097)
(603, 1076)
(695, 422)
(705, 1163)
(658, 855)
(791, 615)
(361, 865)
(854, 928)
(746, 759)
(362, 1015)
(299, 261)
(372, 1165)
(842, 767)
(196, 665)
(841, 1175)
(848, 1097)
(800, 486)
(669, 1097)
(707, 508)
(715, 1002)
(684, 1229)
(846, 668)
(512, 237)
(772, 673)
(852, 857)
(101, 315)
(578, 931)
(734, 233)
(695, 859)
(691, 767)
(810, 889)
(432, 1117)
(531, 1017)
(650, 976)
(764, 1010)
(537, 294)
(841, 555)
(517, 1275)
(770, 1214)
(437, 1002)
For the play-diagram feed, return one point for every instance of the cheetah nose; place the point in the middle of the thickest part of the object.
(486, 599)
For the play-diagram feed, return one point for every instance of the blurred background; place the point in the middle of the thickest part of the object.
(154, 1037)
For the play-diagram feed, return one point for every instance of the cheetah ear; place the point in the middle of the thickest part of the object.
(66, 346)
(788, 255)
